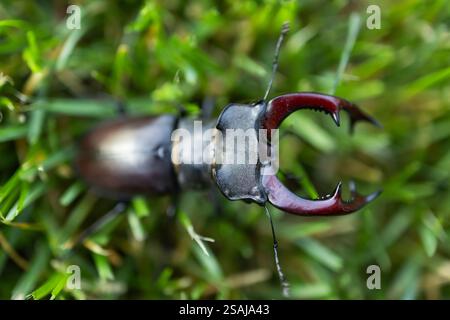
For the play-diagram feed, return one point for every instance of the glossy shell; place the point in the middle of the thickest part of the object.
(129, 156)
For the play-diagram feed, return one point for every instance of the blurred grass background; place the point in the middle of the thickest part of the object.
(57, 83)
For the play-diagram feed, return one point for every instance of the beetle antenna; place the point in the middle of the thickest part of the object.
(283, 281)
(284, 30)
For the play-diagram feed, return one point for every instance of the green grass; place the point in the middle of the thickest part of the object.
(158, 55)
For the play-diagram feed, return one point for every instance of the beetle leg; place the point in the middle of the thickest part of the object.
(173, 208)
(277, 110)
(281, 107)
(121, 108)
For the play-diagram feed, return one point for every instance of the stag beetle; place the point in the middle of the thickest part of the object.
(139, 155)
(131, 156)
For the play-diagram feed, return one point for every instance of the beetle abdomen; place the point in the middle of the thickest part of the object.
(129, 156)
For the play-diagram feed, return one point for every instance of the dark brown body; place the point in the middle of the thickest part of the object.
(132, 156)
(129, 156)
